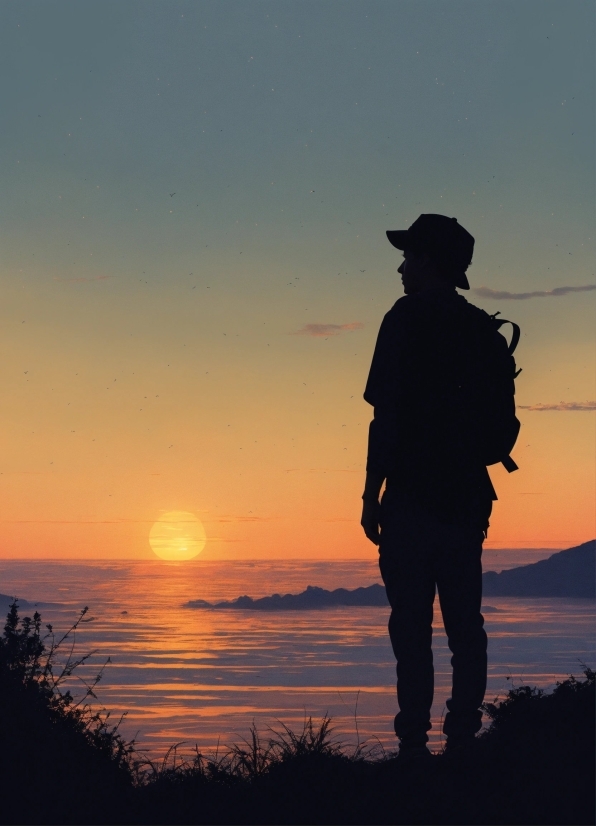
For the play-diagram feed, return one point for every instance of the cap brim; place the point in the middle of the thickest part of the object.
(462, 281)
(398, 237)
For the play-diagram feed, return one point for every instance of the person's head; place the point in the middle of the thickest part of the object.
(437, 252)
(421, 272)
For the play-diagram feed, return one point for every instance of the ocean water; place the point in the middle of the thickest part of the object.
(200, 677)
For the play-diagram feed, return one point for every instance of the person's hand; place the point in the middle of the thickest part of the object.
(371, 510)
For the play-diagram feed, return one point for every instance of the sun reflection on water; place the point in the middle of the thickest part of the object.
(200, 675)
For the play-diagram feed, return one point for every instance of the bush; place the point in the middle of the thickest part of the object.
(59, 758)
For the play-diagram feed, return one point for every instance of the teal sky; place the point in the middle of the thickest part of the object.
(188, 184)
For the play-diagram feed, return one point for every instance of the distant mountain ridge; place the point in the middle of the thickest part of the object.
(6, 600)
(568, 573)
(313, 597)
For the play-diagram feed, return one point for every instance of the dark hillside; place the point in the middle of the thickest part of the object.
(569, 573)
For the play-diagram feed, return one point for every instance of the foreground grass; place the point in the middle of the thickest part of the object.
(62, 763)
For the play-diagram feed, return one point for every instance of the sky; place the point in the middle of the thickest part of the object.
(194, 265)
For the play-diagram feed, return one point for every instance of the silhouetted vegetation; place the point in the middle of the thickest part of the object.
(63, 762)
(58, 755)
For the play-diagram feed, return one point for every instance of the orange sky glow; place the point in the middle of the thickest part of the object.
(195, 266)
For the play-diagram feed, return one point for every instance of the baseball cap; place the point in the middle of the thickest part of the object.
(442, 236)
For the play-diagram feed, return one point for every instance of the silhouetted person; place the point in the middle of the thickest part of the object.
(436, 363)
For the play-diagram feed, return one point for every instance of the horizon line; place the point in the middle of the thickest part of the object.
(247, 559)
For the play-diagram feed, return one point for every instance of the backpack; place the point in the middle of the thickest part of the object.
(488, 388)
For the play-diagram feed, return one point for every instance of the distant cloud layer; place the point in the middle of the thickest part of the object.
(560, 406)
(486, 292)
(320, 330)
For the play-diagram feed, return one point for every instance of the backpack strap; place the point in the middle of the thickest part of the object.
(509, 464)
(498, 322)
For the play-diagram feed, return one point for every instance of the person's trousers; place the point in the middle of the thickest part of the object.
(418, 555)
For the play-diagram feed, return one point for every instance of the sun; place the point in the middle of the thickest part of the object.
(177, 536)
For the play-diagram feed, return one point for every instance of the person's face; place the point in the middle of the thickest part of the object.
(412, 270)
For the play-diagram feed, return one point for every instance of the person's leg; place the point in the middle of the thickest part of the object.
(459, 583)
(409, 582)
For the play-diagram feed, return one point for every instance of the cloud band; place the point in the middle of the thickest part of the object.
(324, 330)
(557, 292)
(560, 406)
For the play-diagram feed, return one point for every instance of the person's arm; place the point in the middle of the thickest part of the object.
(376, 474)
(371, 506)
(378, 394)
(372, 486)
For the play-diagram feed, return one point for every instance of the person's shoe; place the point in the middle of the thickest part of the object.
(408, 755)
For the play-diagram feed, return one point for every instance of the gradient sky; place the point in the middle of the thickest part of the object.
(194, 264)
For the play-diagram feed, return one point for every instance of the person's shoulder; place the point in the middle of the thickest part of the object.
(403, 307)
(477, 325)
(473, 313)
(396, 319)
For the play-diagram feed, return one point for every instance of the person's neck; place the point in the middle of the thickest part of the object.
(437, 293)
(434, 281)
